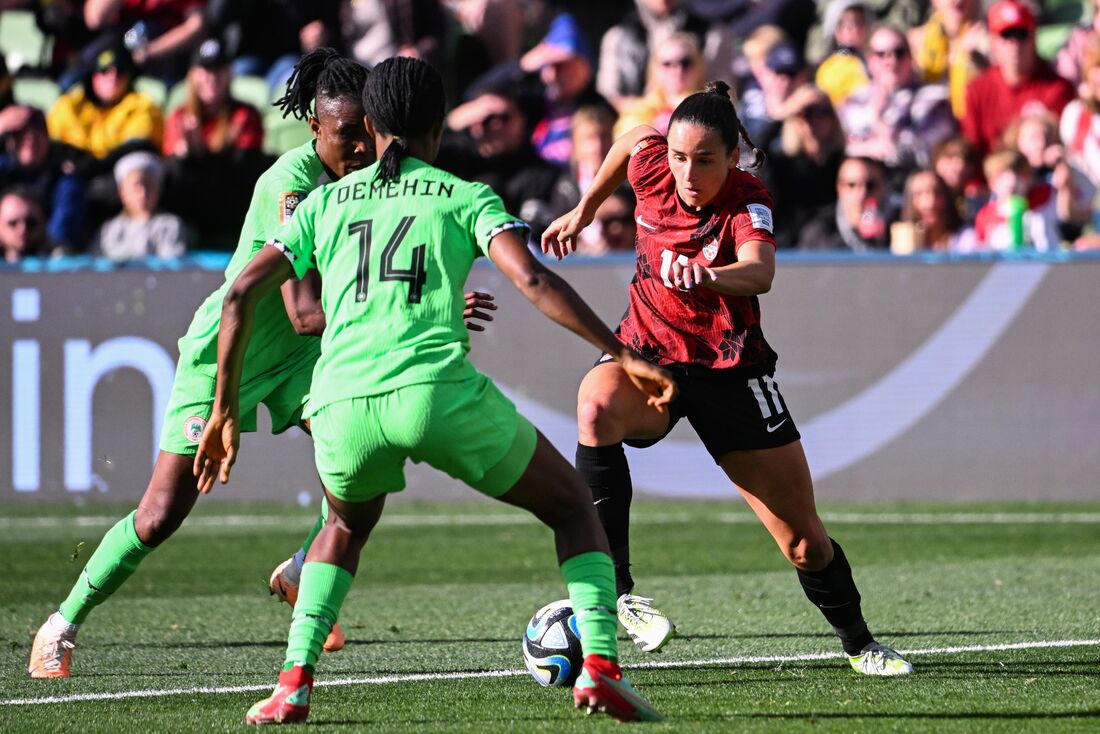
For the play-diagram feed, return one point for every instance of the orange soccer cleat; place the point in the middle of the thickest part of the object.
(288, 592)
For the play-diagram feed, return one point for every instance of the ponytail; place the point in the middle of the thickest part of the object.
(404, 98)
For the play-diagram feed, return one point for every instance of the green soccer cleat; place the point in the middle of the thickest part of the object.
(878, 659)
(601, 686)
(647, 627)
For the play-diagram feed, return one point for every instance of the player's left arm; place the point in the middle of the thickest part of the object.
(751, 275)
(217, 450)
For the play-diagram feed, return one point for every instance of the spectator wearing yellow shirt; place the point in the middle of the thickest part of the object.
(952, 48)
(104, 111)
(847, 24)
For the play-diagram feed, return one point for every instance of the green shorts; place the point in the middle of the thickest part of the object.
(284, 391)
(467, 429)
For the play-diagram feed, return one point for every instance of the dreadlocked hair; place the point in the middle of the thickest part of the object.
(404, 98)
(713, 108)
(322, 73)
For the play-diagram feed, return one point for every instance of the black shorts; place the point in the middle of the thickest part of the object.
(729, 411)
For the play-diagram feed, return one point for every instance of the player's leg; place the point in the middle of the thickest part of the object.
(285, 403)
(609, 410)
(166, 503)
(358, 467)
(531, 474)
(776, 484)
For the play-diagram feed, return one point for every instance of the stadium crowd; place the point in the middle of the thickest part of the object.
(138, 127)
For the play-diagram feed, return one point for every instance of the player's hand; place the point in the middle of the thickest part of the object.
(686, 277)
(217, 450)
(477, 303)
(657, 383)
(560, 238)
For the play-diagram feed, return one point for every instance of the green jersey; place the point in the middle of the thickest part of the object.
(277, 195)
(393, 260)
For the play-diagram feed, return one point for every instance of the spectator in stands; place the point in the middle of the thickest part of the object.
(105, 112)
(1072, 56)
(676, 70)
(210, 120)
(959, 165)
(1018, 82)
(625, 48)
(801, 175)
(894, 119)
(1035, 137)
(858, 220)
(22, 226)
(929, 220)
(783, 72)
(271, 35)
(592, 137)
(160, 34)
(847, 24)
(1080, 123)
(47, 169)
(614, 226)
(564, 65)
(753, 67)
(489, 143)
(1022, 211)
(952, 48)
(140, 230)
(378, 29)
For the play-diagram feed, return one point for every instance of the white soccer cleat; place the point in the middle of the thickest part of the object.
(52, 650)
(647, 627)
(878, 659)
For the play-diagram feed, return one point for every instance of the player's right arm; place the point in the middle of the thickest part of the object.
(557, 300)
(560, 237)
(217, 450)
(302, 299)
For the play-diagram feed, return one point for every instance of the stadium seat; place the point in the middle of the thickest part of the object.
(175, 97)
(36, 92)
(20, 40)
(282, 134)
(253, 90)
(153, 87)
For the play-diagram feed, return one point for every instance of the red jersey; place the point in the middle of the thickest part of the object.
(703, 327)
(991, 104)
(246, 128)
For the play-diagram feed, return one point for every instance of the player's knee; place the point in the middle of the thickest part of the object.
(596, 421)
(156, 523)
(810, 553)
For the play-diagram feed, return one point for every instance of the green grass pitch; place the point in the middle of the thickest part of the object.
(999, 604)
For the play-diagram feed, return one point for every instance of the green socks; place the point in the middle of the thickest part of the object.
(590, 578)
(321, 520)
(320, 596)
(114, 561)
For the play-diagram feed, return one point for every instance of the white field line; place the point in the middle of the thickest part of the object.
(415, 677)
(442, 520)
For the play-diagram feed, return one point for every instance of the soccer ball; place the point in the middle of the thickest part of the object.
(552, 645)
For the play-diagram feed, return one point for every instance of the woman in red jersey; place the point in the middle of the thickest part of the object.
(705, 251)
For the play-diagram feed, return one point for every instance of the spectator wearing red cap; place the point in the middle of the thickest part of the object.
(1019, 81)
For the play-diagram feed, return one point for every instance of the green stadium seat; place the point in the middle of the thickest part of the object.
(282, 134)
(175, 97)
(253, 90)
(20, 40)
(153, 87)
(36, 92)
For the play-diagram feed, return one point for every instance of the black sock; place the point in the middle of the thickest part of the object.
(834, 592)
(607, 474)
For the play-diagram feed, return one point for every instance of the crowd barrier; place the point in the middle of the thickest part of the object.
(909, 378)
